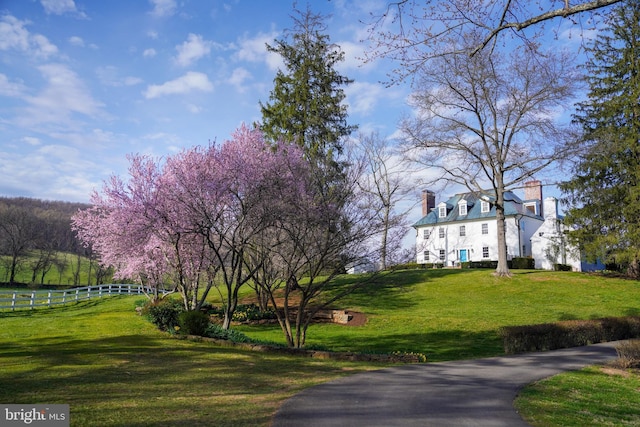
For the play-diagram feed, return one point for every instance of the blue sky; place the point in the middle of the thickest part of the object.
(83, 83)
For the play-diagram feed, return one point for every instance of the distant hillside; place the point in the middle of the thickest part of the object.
(50, 220)
(32, 230)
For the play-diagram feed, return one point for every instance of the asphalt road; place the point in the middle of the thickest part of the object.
(461, 393)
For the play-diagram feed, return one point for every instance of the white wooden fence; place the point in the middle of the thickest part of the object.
(30, 299)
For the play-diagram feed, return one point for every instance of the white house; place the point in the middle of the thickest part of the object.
(464, 229)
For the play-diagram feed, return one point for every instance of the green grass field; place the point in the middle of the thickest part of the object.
(113, 368)
(457, 314)
(63, 276)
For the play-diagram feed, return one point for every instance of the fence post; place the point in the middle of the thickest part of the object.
(13, 301)
(64, 297)
(49, 299)
(77, 294)
(33, 297)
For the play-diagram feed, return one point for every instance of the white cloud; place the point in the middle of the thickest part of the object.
(163, 8)
(14, 35)
(255, 50)
(60, 7)
(353, 54)
(65, 93)
(31, 140)
(109, 76)
(76, 41)
(8, 88)
(363, 97)
(193, 49)
(238, 77)
(149, 53)
(192, 81)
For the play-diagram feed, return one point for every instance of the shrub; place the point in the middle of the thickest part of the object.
(628, 354)
(245, 312)
(250, 312)
(164, 313)
(483, 264)
(561, 267)
(523, 263)
(193, 322)
(570, 333)
(216, 331)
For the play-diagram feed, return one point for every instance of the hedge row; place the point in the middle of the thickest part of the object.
(570, 333)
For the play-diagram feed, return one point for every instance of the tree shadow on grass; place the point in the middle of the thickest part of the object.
(148, 381)
(436, 345)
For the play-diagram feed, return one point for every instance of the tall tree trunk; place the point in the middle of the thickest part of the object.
(502, 270)
(385, 234)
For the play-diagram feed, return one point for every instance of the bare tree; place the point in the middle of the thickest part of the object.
(385, 184)
(18, 234)
(412, 32)
(489, 121)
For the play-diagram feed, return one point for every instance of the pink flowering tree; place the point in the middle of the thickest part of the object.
(320, 230)
(134, 228)
(228, 193)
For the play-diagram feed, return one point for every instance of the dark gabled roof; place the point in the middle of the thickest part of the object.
(513, 206)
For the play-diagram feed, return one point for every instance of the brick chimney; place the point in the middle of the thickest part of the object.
(533, 190)
(428, 201)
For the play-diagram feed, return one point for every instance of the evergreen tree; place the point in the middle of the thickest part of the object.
(604, 194)
(305, 104)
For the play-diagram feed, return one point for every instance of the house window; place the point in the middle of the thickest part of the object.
(462, 208)
(441, 232)
(531, 208)
(485, 252)
(485, 228)
(426, 234)
(426, 255)
(463, 231)
(484, 206)
(442, 211)
(441, 254)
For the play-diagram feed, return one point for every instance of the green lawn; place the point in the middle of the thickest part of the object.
(115, 369)
(456, 314)
(594, 396)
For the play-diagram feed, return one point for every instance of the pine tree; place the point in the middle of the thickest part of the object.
(604, 194)
(306, 103)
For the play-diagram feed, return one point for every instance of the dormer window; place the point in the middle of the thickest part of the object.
(442, 210)
(462, 207)
(531, 207)
(485, 207)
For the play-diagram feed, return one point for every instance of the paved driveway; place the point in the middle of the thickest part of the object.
(462, 393)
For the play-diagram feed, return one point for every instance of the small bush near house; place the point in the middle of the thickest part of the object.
(522, 263)
(570, 333)
(193, 322)
(562, 267)
(480, 264)
(164, 313)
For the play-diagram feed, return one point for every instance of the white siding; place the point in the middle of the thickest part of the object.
(474, 240)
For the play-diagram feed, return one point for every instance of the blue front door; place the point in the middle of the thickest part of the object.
(463, 255)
